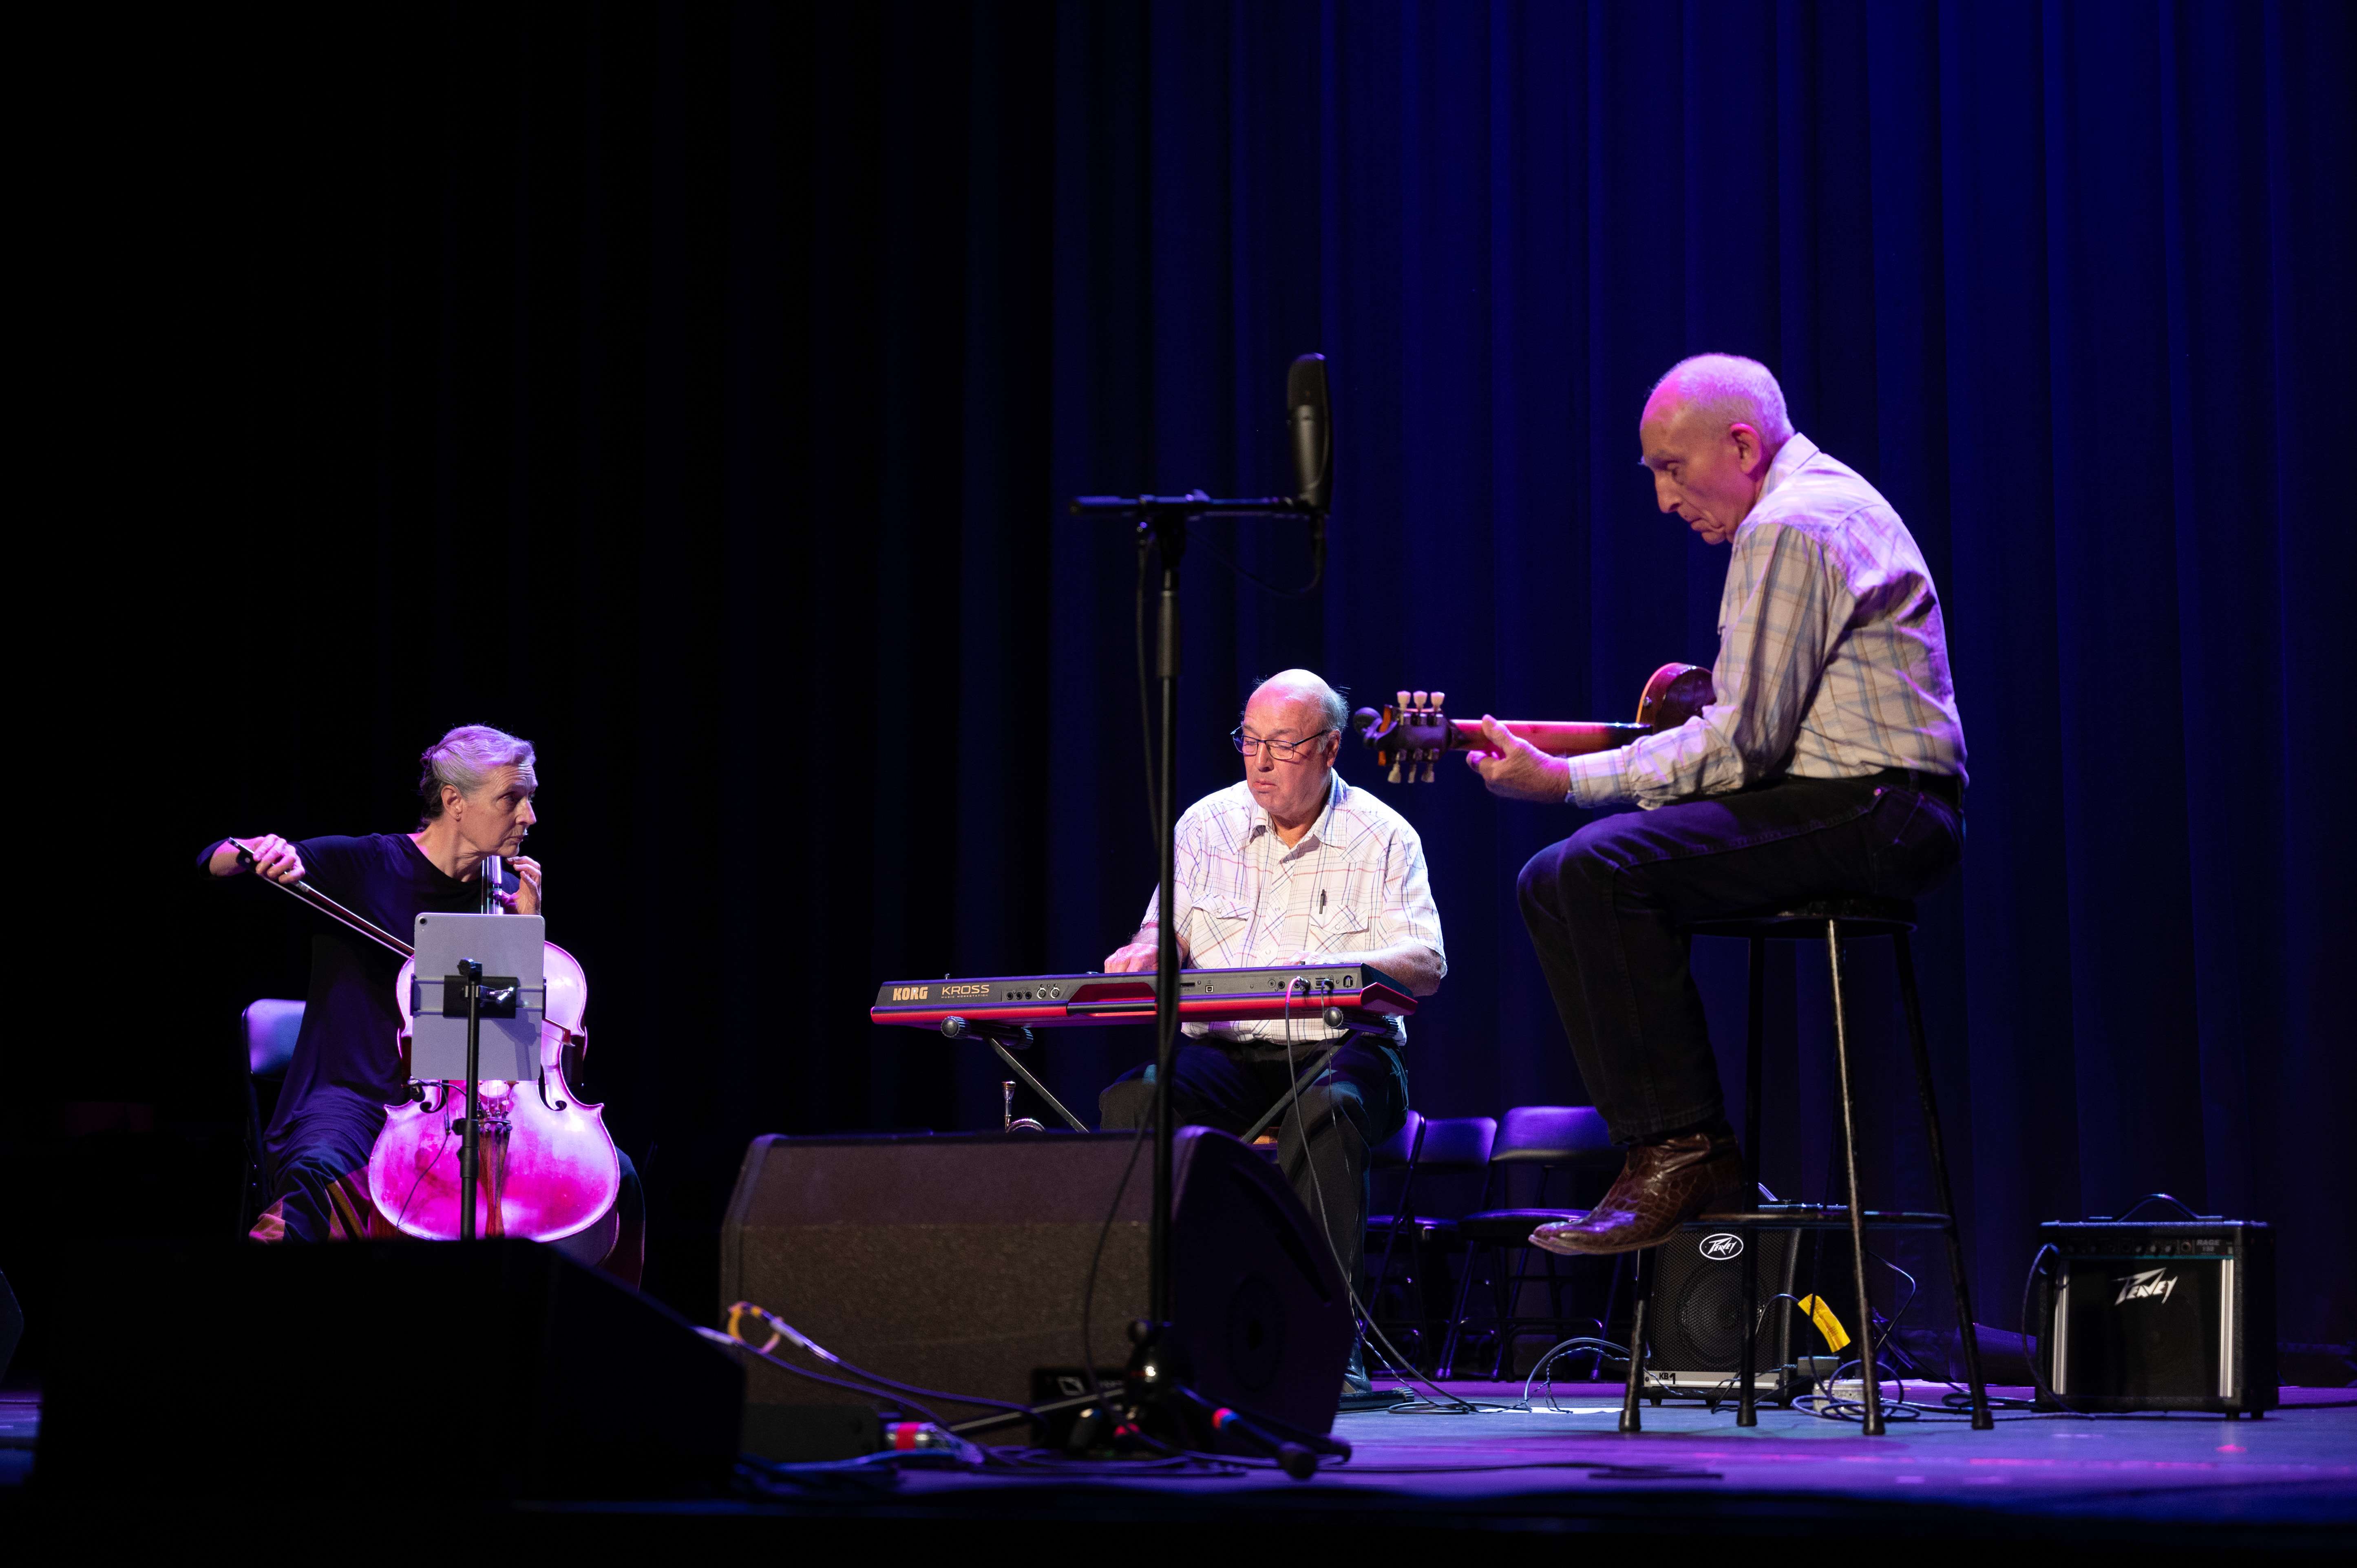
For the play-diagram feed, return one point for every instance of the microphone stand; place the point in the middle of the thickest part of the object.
(1152, 1382)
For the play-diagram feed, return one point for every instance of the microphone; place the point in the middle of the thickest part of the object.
(1313, 432)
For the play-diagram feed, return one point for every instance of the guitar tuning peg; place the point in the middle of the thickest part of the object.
(1440, 699)
(1428, 771)
(1403, 699)
(1420, 700)
(1393, 775)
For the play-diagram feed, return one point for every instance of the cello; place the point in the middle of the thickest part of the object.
(546, 1167)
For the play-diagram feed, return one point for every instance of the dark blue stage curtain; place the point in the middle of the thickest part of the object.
(763, 345)
(2068, 285)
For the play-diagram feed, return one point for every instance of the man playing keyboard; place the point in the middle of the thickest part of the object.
(1292, 866)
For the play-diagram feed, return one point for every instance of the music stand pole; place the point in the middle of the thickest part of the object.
(469, 1147)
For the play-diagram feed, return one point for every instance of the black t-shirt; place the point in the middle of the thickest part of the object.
(350, 1019)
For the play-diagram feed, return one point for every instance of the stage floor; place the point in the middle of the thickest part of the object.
(2177, 1481)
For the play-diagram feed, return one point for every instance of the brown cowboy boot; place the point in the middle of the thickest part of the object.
(1661, 1188)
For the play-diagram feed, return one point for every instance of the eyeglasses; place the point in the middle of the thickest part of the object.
(1284, 750)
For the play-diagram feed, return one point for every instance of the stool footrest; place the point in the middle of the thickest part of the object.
(1818, 1217)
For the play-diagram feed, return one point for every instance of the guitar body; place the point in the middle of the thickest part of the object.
(1413, 734)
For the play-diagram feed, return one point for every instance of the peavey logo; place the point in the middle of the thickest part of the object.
(1719, 1248)
(2153, 1285)
(909, 993)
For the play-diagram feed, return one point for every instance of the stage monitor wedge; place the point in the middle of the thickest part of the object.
(957, 1263)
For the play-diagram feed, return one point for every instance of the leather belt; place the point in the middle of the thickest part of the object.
(1943, 786)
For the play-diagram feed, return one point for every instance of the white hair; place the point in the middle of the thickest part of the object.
(466, 757)
(1732, 389)
(1310, 685)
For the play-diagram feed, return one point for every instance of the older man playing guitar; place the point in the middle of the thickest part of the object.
(1831, 760)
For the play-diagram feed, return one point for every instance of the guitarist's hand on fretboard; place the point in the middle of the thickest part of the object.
(1512, 768)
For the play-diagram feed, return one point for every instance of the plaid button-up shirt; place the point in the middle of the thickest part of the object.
(1832, 659)
(1354, 883)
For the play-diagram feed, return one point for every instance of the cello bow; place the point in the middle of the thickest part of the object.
(302, 890)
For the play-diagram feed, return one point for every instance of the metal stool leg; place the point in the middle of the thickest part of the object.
(1873, 1401)
(1630, 1419)
(1747, 1408)
(1981, 1419)
(1747, 1404)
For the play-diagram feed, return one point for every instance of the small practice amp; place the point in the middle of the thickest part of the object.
(2173, 1315)
(1693, 1326)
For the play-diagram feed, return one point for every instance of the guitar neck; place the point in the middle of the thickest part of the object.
(1556, 739)
(1408, 735)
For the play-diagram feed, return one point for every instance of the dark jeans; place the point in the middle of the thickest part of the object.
(1358, 1101)
(1605, 909)
(327, 1139)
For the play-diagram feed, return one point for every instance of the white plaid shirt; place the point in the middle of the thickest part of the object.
(1832, 659)
(1355, 881)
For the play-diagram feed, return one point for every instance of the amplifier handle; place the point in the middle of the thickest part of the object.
(2178, 1203)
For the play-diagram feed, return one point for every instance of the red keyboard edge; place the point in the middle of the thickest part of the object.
(1374, 1001)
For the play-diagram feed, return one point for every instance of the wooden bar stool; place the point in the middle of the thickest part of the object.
(1831, 920)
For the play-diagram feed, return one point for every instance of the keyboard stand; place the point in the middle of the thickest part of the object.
(1335, 1018)
(998, 1035)
(1303, 1081)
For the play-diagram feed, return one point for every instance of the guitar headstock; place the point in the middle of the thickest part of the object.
(1407, 736)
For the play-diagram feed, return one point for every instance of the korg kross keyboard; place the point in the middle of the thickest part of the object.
(1205, 996)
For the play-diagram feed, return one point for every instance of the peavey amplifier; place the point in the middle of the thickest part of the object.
(2176, 1315)
(1693, 1325)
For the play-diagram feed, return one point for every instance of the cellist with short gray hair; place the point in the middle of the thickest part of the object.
(476, 789)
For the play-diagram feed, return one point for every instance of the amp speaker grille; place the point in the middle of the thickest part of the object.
(1696, 1317)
